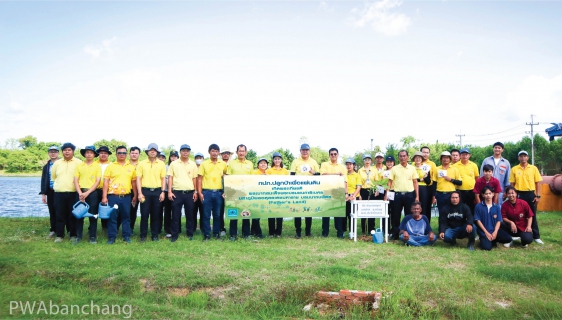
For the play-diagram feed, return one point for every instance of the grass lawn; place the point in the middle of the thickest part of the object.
(276, 278)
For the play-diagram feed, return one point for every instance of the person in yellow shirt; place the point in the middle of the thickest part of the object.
(151, 182)
(369, 177)
(225, 155)
(525, 177)
(275, 225)
(86, 180)
(448, 178)
(354, 182)
(403, 180)
(262, 167)
(103, 160)
(469, 174)
(432, 174)
(242, 166)
(304, 166)
(424, 179)
(118, 181)
(198, 207)
(182, 179)
(331, 167)
(65, 194)
(134, 155)
(210, 190)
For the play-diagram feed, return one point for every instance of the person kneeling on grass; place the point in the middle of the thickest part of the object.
(456, 222)
(517, 218)
(488, 218)
(415, 229)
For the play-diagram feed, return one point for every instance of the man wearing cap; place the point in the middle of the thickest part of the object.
(119, 182)
(332, 167)
(198, 207)
(47, 193)
(134, 155)
(62, 173)
(403, 180)
(502, 168)
(304, 166)
(241, 166)
(162, 156)
(182, 179)
(469, 173)
(103, 160)
(525, 177)
(86, 180)
(151, 180)
(210, 189)
(225, 155)
(448, 177)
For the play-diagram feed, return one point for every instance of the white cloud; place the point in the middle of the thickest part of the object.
(378, 15)
(104, 50)
(324, 7)
(536, 95)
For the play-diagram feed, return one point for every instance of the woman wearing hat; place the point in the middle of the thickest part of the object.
(423, 183)
(369, 175)
(166, 215)
(352, 193)
(276, 224)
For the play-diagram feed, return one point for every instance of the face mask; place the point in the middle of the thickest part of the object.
(198, 161)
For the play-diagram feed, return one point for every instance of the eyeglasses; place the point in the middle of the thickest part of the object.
(121, 153)
(333, 154)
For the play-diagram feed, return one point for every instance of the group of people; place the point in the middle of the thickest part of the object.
(468, 200)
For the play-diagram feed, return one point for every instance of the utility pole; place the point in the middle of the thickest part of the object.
(371, 144)
(532, 139)
(460, 138)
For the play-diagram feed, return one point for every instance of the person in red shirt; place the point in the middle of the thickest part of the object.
(517, 218)
(487, 180)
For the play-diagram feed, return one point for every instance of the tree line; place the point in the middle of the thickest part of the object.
(28, 155)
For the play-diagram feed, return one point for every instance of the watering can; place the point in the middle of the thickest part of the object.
(104, 210)
(80, 210)
(377, 236)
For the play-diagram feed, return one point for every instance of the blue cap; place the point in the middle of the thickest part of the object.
(199, 154)
(350, 160)
(174, 153)
(185, 146)
(276, 154)
(162, 154)
(68, 145)
(390, 158)
(263, 159)
(305, 146)
(54, 148)
(464, 150)
(366, 155)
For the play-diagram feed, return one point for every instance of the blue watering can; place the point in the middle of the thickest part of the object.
(80, 210)
(377, 236)
(104, 210)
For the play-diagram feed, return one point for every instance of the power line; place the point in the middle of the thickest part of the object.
(532, 139)
(496, 138)
(491, 134)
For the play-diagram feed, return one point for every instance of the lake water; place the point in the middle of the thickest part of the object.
(19, 197)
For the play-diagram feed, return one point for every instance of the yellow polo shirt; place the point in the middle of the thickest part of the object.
(182, 174)
(421, 174)
(444, 185)
(333, 168)
(259, 172)
(237, 167)
(523, 179)
(469, 173)
(353, 180)
(87, 174)
(212, 173)
(103, 167)
(301, 167)
(277, 172)
(120, 178)
(151, 173)
(432, 171)
(368, 177)
(62, 174)
(403, 178)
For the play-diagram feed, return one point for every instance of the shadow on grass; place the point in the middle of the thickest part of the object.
(549, 277)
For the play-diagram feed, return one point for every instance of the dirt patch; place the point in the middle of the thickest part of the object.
(503, 304)
(146, 285)
(219, 292)
(178, 292)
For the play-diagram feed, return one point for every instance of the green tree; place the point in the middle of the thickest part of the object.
(27, 141)
(319, 154)
(23, 161)
(252, 156)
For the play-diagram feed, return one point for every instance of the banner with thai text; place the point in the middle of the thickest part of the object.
(268, 196)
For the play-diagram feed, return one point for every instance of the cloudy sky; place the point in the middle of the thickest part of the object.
(267, 73)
